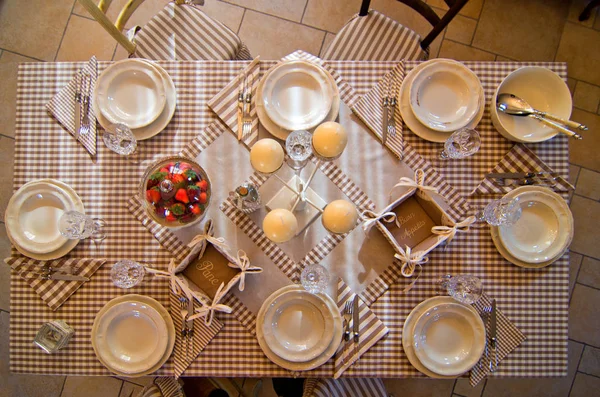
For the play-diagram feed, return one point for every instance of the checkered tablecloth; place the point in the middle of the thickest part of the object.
(536, 301)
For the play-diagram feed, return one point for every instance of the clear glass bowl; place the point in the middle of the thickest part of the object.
(176, 192)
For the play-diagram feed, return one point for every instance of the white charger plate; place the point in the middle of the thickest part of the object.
(297, 95)
(163, 119)
(411, 120)
(445, 95)
(130, 92)
(282, 133)
(69, 244)
(449, 338)
(164, 314)
(317, 361)
(298, 326)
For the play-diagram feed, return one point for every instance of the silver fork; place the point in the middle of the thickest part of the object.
(348, 309)
(487, 310)
(85, 101)
(184, 313)
(528, 182)
(246, 118)
(392, 106)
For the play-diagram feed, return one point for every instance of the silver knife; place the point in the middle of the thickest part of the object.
(85, 98)
(355, 319)
(77, 105)
(493, 340)
(391, 122)
(67, 277)
(385, 120)
(240, 109)
(522, 175)
(189, 325)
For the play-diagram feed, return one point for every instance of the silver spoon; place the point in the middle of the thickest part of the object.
(513, 105)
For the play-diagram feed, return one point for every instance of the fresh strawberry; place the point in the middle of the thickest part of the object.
(182, 196)
(153, 195)
(155, 179)
(177, 179)
(177, 209)
(203, 198)
(184, 166)
(190, 175)
(170, 218)
(195, 209)
(187, 217)
(193, 193)
(160, 211)
(165, 170)
(203, 185)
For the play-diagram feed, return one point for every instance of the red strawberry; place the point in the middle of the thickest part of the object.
(190, 175)
(177, 209)
(187, 217)
(153, 195)
(170, 218)
(203, 185)
(177, 179)
(193, 193)
(160, 211)
(203, 198)
(182, 196)
(195, 209)
(165, 170)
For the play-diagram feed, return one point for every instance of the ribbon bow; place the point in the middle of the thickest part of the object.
(208, 311)
(410, 260)
(208, 237)
(417, 183)
(450, 232)
(370, 218)
(243, 263)
(178, 285)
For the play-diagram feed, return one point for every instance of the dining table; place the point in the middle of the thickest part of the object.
(535, 300)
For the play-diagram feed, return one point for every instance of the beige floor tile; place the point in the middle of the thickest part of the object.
(6, 164)
(586, 214)
(141, 381)
(534, 37)
(15, 385)
(402, 14)
(500, 58)
(461, 52)
(464, 388)
(580, 47)
(288, 9)
(9, 64)
(419, 387)
(585, 386)
(572, 83)
(590, 361)
(585, 152)
(539, 387)
(588, 184)
(574, 267)
(91, 386)
(120, 53)
(4, 270)
(128, 388)
(329, 15)
(575, 10)
(472, 9)
(328, 39)
(587, 96)
(574, 173)
(461, 29)
(33, 28)
(584, 315)
(273, 38)
(589, 272)
(85, 38)
(597, 23)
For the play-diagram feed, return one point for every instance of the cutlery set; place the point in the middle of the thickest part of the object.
(389, 109)
(46, 272)
(352, 314)
(83, 88)
(491, 345)
(244, 104)
(513, 179)
(186, 307)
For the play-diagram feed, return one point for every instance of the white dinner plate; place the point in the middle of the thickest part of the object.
(130, 92)
(445, 95)
(297, 95)
(449, 338)
(300, 366)
(298, 326)
(110, 335)
(408, 333)
(411, 120)
(68, 245)
(280, 132)
(163, 119)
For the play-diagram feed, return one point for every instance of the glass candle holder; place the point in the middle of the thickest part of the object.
(53, 336)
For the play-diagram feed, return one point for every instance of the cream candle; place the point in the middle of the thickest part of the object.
(339, 216)
(266, 156)
(280, 225)
(330, 139)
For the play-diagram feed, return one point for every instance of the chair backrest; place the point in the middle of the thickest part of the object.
(429, 14)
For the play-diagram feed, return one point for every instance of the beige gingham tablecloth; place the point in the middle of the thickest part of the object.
(535, 301)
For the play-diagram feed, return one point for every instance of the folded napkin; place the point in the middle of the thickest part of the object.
(54, 292)
(185, 352)
(508, 337)
(61, 107)
(225, 103)
(370, 110)
(371, 330)
(367, 387)
(519, 159)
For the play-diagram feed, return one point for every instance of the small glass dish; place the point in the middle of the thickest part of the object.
(53, 336)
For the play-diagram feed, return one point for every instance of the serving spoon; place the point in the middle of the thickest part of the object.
(515, 106)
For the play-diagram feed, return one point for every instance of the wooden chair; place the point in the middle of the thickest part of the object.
(180, 31)
(373, 36)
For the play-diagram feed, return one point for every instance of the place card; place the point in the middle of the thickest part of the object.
(210, 270)
(412, 224)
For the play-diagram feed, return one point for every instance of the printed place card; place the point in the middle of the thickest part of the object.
(412, 224)
(210, 270)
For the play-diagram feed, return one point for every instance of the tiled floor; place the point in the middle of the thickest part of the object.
(61, 30)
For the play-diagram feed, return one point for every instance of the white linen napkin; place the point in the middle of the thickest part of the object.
(61, 107)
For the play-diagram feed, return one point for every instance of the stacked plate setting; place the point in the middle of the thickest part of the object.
(298, 330)
(439, 97)
(137, 93)
(443, 338)
(296, 95)
(32, 217)
(133, 335)
(541, 235)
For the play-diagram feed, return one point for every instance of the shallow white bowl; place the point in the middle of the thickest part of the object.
(544, 90)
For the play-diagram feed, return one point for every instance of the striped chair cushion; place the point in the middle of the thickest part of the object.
(183, 32)
(357, 387)
(375, 37)
(162, 387)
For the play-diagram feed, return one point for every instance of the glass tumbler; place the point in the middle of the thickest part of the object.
(314, 278)
(75, 225)
(464, 288)
(505, 211)
(462, 143)
(120, 139)
(126, 273)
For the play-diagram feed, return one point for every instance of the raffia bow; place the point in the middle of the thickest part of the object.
(410, 260)
(178, 284)
(243, 263)
(370, 218)
(208, 311)
(416, 183)
(218, 241)
(450, 232)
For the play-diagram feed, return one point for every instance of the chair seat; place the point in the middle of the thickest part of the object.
(184, 32)
(359, 387)
(375, 37)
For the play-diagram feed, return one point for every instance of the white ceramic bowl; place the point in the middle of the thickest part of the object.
(544, 90)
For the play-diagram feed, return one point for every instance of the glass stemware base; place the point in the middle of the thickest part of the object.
(75, 225)
(314, 278)
(464, 288)
(504, 211)
(127, 273)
